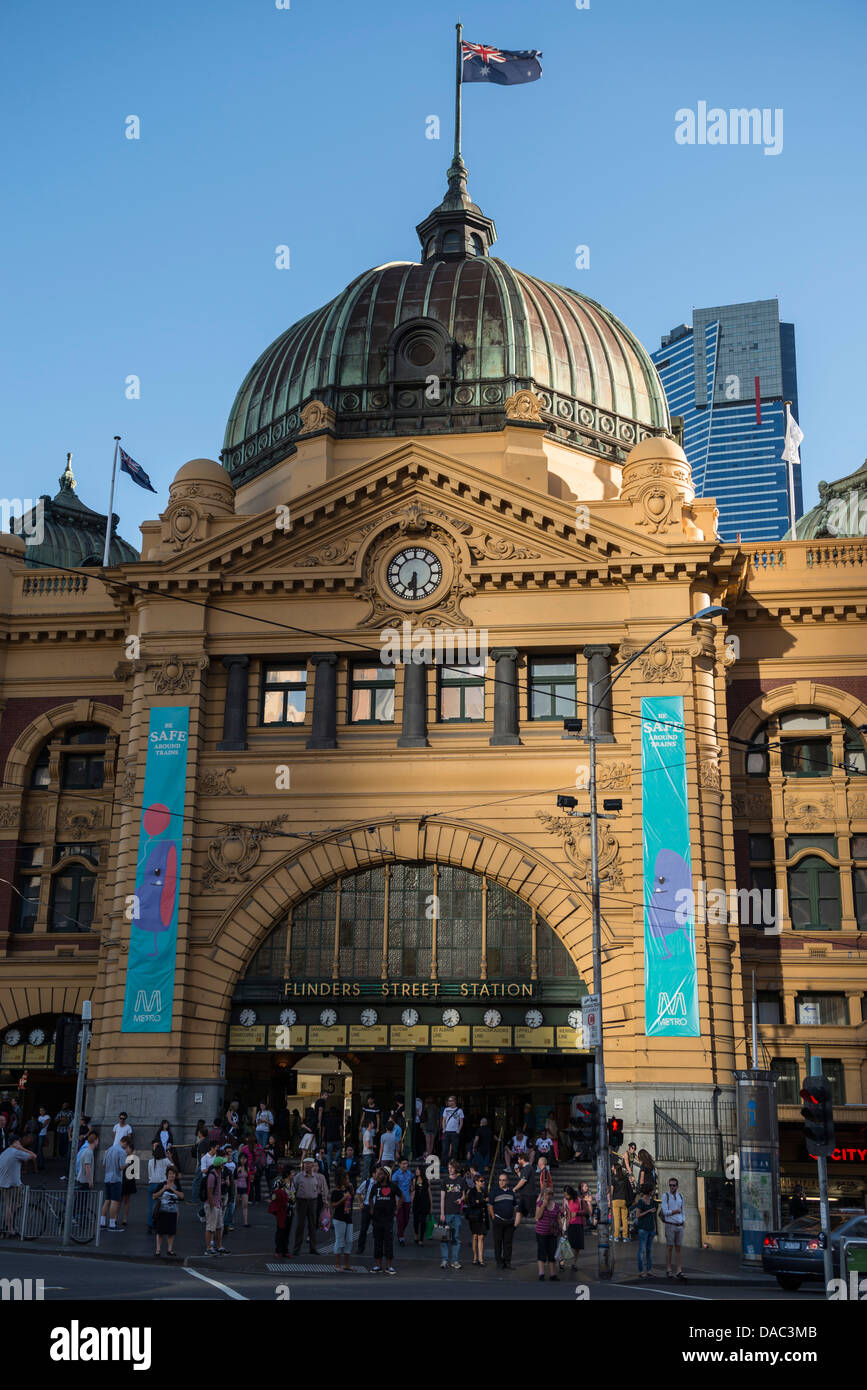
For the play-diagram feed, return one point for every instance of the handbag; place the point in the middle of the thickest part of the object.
(564, 1250)
(430, 1227)
(441, 1231)
(325, 1220)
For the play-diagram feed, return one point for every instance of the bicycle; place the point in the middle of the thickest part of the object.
(44, 1213)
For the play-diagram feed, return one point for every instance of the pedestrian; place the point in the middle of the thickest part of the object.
(516, 1147)
(368, 1148)
(62, 1126)
(403, 1182)
(383, 1204)
(429, 1124)
(214, 1204)
(552, 1129)
(128, 1186)
(364, 1191)
(333, 1131)
(478, 1220)
(242, 1188)
(349, 1164)
(270, 1160)
(232, 1122)
(43, 1123)
(452, 1121)
(12, 1162)
(421, 1204)
(307, 1142)
(798, 1205)
(114, 1162)
(167, 1199)
(645, 1211)
(451, 1204)
(548, 1216)
(389, 1140)
(158, 1166)
(646, 1170)
(5, 1136)
(483, 1142)
(526, 1188)
(342, 1197)
(621, 1200)
(309, 1188)
(674, 1217)
(544, 1178)
(370, 1112)
(505, 1215)
(577, 1209)
(263, 1123)
(85, 1167)
(229, 1170)
(279, 1208)
(123, 1128)
(632, 1161)
(255, 1155)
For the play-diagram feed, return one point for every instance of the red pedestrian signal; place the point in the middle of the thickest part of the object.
(818, 1113)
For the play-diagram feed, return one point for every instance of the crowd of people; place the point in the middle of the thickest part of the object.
(431, 1174)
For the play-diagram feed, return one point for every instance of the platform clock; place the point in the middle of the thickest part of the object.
(369, 1017)
(451, 1018)
(328, 1018)
(493, 1018)
(288, 1017)
(409, 1018)
(533, 1018)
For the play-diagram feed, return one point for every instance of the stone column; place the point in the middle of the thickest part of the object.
(505, 696)
(324, 733)
(598, 670)
(413, 733)
(235, 709)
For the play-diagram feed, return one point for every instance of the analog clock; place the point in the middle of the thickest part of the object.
(409, 1018)
(12, 1037)
(328, 1018)
(369, 1017)
(288, 1017)
(451, 1018)
(248, 1017)
(532, 1018)
(414, 573)
(493, 1018)
(575, 1019)
(36, 1037)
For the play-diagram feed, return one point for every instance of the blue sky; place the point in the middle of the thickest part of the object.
(306, 127)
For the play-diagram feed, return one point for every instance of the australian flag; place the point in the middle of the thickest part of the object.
(481, 63)
(135, 471)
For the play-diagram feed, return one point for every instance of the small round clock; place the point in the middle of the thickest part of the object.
(532, 1018)
(328, 1018)
(451, 1018)
(414, 573)
(575, 1018)
(288, 1017)
(12, 1037)
(248, 1018)
(493, 1018)
(36, 1037)
(369, 1017)
(409, 1018)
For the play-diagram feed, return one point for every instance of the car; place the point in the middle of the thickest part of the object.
(797, 1252)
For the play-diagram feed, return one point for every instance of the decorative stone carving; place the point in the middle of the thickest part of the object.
(9, 815)
(574, 831)
(501, 548)
(77, 821)
(809, 815)
(174, 676)
(858, 806)
(35, 818)
(338, 552)
(610, 776)
(658, 663)
(316, 416)
(183, 521)
(658, 483)
(233, 853)
(709, 773)
(214, 782)
(446, 612)
(753, 805)
(126, 781)
(524, 405)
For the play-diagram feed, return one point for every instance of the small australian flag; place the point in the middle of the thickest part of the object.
(504, 68)
(135, 471)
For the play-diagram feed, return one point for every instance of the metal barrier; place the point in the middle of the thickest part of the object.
(36, 1213)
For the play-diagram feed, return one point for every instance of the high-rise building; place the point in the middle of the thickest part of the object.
(729, 377)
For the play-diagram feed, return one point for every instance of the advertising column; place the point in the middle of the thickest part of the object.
(759, 1160)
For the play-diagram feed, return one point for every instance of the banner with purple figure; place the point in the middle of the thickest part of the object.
(150, 972)
(670, 971)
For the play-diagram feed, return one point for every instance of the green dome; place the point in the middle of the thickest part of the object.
(73, 535)
(438, 347)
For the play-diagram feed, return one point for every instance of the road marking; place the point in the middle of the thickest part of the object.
(224, 1288)
(669, 1293)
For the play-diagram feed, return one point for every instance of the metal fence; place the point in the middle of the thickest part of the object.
(36, 1213)
(695, 1131)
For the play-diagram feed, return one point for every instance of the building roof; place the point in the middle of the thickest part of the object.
(72, 534)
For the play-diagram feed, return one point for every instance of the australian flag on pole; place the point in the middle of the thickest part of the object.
(135, 471)
(481, 63)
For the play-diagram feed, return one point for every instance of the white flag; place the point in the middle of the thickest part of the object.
(794, 435)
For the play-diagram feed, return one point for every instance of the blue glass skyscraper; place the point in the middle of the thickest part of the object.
(729, 377)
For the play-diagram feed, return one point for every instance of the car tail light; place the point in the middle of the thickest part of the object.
(814, 1245)
(770, 1243)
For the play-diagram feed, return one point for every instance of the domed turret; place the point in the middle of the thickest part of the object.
(72, 534)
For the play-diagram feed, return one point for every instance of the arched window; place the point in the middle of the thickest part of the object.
(478, 246)
(81, 750)
(803, 741)
(814, 895)
(452, 243)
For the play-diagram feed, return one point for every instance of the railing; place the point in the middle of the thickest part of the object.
(688, 1131)
(792, 556)
(37, 1213)
(47, 585)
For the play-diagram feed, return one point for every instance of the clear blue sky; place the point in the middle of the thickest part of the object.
(306, 127)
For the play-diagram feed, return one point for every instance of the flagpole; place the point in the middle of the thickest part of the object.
(110, 505)
(790, 470)
(458, 74)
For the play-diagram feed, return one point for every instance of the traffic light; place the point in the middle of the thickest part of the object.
(818, 1113)
(615, 1133)
(586, 1121)
(66, 1045)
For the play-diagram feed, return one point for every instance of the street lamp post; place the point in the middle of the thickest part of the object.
(605, 1262)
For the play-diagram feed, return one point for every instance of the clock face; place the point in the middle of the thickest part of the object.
(575, 1018)
(409, 1018)
(493, 1018)
(36, 1038)
(288, 1017)
(328, 1018)
(451, 1018)
(414, 573)
(248, 1017)
(369, 1017)
(12, 1037)
(532, 1018)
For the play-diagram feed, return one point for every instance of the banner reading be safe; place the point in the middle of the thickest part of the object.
(150, 972)
(670, 971)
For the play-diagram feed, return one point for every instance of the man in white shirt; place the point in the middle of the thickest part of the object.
(674, 1216)
(123, 1129)
(452, 1124)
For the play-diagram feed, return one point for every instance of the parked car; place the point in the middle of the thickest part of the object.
(796, 1253)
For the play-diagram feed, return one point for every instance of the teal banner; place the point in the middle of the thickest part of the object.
(150, 972)
(670, 972)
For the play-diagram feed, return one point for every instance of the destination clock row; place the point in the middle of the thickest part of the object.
(369, 1017)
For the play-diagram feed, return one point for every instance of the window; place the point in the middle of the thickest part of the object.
(27, 887)
(757, 755)
(808, 757)
(371, 694)
(552, 688)
(817, 1010)
(284, 694)
(832, 1067)
(73, 894)
(312, 952)
(788, 1080)
(478, 246)
(769, 1006)
(462, 694)
(855, 757)
(814, 896)
(459, 926)
(80, 770)
(796, 843)
(761, 849)
(452, 242)
(90, 852)
(859, 893)
(40, 777)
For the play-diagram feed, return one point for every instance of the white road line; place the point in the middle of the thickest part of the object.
(669, 1293)
(224, 1288)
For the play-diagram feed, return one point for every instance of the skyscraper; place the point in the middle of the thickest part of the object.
(729, 376)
